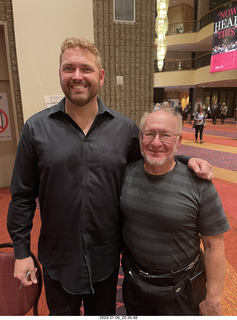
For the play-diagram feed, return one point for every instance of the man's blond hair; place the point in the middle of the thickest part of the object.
(83, 44)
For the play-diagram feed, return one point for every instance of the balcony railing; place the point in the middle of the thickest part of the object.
(194, 25)
(183, 27)
(185, 64)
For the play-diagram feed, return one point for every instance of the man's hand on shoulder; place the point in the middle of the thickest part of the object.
(202, 168)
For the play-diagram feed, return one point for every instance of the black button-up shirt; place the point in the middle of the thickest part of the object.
(78, 181)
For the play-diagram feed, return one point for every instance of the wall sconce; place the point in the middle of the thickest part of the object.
(161, 30)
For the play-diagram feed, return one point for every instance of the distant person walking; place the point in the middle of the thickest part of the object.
(223, 112)
(199, 120)
(187, 113)
(178, 108)
(214, 112)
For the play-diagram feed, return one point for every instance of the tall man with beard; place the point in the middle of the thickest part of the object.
(166, 211)
(73, 156)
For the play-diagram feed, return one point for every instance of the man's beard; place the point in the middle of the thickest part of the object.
(79, 99)
(156, 161)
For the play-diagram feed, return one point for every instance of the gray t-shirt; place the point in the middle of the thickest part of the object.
(163, 216)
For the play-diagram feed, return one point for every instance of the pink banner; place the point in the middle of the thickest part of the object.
(224, 61)
(224, 48)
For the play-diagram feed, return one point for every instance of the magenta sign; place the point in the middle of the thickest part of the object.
(224, 48)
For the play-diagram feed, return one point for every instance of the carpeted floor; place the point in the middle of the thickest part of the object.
(219, 148)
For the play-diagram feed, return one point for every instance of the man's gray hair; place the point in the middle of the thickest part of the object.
(171, 111)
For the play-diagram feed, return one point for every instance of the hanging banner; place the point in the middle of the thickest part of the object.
(224, 47)
(5, 129)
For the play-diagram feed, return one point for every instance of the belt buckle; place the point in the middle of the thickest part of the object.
(193, 263)
(190, 266)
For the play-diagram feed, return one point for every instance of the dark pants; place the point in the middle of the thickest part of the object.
(102, 302)
(199, 129)
(214, 117)
(138, 303)
(222, 118)
(135, 304)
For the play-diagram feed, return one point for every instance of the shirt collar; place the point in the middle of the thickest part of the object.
(60, 107)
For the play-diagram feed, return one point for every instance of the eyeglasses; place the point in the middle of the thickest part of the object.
(165, 137)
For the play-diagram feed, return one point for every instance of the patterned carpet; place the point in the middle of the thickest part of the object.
(219, 148)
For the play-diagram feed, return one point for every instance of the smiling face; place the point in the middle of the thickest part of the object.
(161, 149)
(80, 77)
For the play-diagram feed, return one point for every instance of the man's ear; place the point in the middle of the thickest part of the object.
(179, 141)
(140, 137)
(102, 77)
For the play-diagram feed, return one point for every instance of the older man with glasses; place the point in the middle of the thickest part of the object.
(167, 211)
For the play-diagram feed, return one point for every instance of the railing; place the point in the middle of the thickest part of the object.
(186, 27)
(194, 25)
(183, 27)
(185, 64)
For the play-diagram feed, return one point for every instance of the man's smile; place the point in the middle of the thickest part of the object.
(78, 87)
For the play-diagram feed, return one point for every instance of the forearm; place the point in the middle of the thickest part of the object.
(215, 273)
(24, 190)
(214, 257)
(20, 215)
(19, 225)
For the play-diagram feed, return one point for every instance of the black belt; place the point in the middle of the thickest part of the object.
(173, 274)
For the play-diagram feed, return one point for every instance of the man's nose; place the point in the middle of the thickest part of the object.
(77, 74)
(157, 139)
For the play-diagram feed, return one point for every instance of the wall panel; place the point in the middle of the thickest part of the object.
(127, 50)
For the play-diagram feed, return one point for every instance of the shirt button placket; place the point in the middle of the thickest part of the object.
(85, 196)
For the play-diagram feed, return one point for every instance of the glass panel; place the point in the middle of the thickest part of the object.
(230, 103)
(207, 98)
(222, 97)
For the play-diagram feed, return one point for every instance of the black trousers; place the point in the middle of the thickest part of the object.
(222, 118)
(138, 303)
(102, 302)
(200, 129)
(135, 304)
(214, 117)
